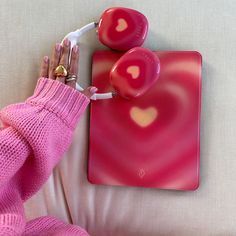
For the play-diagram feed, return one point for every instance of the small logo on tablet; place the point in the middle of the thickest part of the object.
(141, 173)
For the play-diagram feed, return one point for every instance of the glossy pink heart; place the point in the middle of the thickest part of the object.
(122, 28)
(135, 72)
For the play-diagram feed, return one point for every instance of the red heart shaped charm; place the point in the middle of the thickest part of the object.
(122, 28)
(135, 72)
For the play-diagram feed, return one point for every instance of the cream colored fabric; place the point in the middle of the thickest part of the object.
(29, 29)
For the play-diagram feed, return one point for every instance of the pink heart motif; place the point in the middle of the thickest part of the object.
(134, 71)
(122, 25)
(143, 117)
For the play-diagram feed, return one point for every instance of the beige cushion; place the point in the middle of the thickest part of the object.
(28, 31)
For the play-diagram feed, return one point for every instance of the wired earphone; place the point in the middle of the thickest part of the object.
(124, 29)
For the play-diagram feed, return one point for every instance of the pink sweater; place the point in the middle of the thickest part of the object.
(34, 136)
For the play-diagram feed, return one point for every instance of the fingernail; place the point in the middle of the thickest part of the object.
(58, 47)
(45, 59)
(66, 42)
(93, 90)
(75, 49)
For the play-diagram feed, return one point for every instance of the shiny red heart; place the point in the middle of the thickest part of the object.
(122, 28)
(135, 72)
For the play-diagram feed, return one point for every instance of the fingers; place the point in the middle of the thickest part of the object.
(54, 60)
(44, 67)
(90, 91)
(74, 65)
(60, 56)
(64, 60)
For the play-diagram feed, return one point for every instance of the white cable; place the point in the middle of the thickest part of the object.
(86, 28)
(75, 35)
(96, 96)
(74, 38)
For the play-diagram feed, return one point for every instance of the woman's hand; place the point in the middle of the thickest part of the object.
(60, 56)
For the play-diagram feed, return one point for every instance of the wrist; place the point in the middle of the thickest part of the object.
(61, 99)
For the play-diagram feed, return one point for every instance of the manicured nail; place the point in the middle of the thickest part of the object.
(93, 90)
(75, 49)
(46, 59)
(66, 42)
(58, 47)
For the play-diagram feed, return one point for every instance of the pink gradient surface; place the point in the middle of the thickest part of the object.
(153, 140)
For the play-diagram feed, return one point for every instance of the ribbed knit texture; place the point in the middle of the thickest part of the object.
(34, 137)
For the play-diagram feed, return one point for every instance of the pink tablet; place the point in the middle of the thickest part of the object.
(151, 141)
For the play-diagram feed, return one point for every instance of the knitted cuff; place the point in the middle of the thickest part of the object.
(61, 99)
(48, 225)
(11, 224)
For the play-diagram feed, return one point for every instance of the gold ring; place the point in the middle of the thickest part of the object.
(60, 71)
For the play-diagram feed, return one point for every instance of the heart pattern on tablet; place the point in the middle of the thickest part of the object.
(143, 117)
(152, 140)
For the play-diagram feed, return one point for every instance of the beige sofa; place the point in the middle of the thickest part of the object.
(29, 29)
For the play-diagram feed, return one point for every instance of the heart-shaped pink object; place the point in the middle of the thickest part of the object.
(135, 72)
(122, 28)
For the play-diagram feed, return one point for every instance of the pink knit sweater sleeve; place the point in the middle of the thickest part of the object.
(34, 136)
